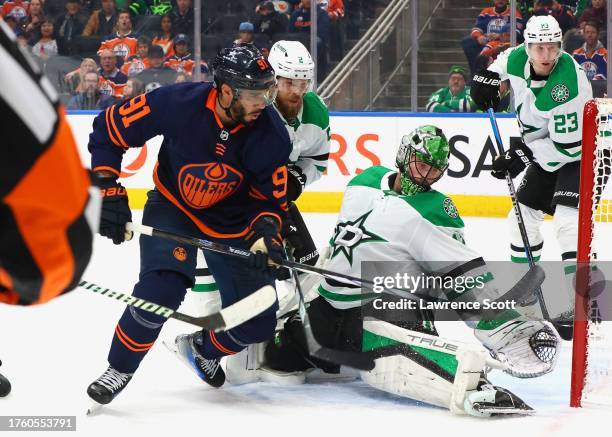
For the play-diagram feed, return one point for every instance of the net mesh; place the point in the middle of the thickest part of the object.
(598, 380)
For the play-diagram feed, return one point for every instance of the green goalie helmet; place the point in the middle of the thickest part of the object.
(422, 159)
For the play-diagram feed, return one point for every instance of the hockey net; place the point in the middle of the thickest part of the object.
(592, 348)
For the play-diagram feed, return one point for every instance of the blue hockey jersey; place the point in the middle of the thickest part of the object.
(222, 179)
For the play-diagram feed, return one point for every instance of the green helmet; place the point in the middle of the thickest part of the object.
(429, 145)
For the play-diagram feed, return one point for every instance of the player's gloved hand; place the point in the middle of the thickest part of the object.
(265, 243)
(296, 180)
(513, 161)
(485, 89)
(115, 210)
(291, 234)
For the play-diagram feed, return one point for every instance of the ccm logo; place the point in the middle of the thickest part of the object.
(487, 80)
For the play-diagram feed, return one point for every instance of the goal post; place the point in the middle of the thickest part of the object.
(592, 344)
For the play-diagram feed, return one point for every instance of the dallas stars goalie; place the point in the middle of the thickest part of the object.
(420, 226)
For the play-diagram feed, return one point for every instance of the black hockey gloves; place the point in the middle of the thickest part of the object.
(265, 243)
(115, 210)
(295, 182)
(513, 161)
(485, 89)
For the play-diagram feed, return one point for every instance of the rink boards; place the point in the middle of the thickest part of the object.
(358, 141)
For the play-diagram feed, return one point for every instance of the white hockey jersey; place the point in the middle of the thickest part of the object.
(549, 111)
(309, 134)
(378, 224)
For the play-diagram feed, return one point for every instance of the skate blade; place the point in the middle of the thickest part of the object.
(94, 409)
(486, 411)
(172, 348)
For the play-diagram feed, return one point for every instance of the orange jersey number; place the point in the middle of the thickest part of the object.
(134, 110)
(279, 179)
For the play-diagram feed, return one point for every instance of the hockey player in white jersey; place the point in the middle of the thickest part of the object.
(307, 120)
(550, 91)
(390, 215)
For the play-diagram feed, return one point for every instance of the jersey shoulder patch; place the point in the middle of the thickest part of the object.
(561, 86)
(517, 60)
(314, 111)
(436, 208)
(371, 177)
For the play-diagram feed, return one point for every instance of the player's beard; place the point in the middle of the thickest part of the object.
(239, 114)
(289, 110)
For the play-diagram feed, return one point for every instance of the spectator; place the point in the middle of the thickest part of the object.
(30, 25)
(165, 37)
(150, 7)
(157, 74)
(561, 12)
(245, 34)
(182, 17)
(90, 97)
(112, 80)
(453, 98)
(492, 29)
(139, 62)
(15, 8)
(597, 13)
(269, 20)
(54, 8)
(335, 10)
(300, 22)
(69, 27)
(592, 56)
(133, 88)
(46, 46)
(182, 61)
(263, 43)
(181, 78)
(102, 21)
(12, 24)
(75, 78)
(123, 43)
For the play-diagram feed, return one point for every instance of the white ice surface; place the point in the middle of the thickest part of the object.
(52, 352)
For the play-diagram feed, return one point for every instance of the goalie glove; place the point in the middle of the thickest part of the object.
(527, 348)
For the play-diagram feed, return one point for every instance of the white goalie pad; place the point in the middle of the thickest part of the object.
(422, 380)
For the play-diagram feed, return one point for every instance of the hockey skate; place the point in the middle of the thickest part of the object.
(490, 400)
(5, 385)
(209, 371)
(104, 389)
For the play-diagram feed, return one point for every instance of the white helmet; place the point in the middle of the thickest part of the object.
(292, 60)
(542, 28)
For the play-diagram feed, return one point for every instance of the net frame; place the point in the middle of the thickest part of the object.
(590, 333)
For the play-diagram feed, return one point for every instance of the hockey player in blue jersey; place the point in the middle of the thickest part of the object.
(220, 175)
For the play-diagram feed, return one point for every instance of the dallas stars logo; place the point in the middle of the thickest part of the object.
(351, 234)
(560, 93)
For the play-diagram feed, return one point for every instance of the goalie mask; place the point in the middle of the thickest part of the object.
(422, 159)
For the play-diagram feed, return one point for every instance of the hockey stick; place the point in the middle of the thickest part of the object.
(356, 360)
(227, 318)
(517, 211)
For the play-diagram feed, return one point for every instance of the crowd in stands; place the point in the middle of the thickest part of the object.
(150, 41)
(584, 27)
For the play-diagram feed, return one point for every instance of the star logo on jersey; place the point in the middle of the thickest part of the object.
(560, 93)
(224, 135)
(450, 208)
(351, 234)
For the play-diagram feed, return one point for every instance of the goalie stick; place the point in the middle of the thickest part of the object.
(227, 318)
